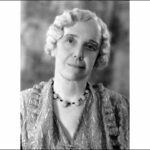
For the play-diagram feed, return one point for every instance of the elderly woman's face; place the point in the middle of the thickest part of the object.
(77, 50)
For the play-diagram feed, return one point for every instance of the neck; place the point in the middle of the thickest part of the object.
(69, 90)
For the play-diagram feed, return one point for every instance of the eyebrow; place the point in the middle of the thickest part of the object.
(93, 42)
(74, 35)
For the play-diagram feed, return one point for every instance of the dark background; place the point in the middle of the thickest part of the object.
(36, 16)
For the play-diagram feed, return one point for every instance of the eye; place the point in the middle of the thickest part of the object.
(70, 40)
(91, 47)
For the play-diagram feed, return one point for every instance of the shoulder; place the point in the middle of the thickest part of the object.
(36, 89)
(116, 99)
(31, 102)
(115, 110)
(31, 95)
(120, 107)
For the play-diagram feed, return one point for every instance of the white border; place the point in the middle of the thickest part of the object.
(140, 75)
(9, 75)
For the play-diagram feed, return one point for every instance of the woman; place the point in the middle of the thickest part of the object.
(68, 112)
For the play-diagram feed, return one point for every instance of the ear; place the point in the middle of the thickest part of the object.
(53, 53)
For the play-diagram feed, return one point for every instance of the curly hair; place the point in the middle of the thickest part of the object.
(69, 18)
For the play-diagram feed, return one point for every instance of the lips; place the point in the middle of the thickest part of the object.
(77, 66)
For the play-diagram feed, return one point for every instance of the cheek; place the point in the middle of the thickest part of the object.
(92, 59)
(62, 55)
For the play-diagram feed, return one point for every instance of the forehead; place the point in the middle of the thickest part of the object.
(84, 30)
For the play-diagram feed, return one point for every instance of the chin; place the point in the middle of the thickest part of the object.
(74, 77)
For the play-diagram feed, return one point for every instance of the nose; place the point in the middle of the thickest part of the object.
(79, 53)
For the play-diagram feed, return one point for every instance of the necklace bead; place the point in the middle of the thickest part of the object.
(78, 103)
(54, 95)
(66, 103)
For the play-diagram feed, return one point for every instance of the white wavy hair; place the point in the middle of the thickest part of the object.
(69, 18)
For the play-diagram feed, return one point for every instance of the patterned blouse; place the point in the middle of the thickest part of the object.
(104, 123)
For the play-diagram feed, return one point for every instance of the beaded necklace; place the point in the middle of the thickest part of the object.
(67, 103)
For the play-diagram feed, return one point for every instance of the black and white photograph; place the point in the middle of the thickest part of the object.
(74, 75)
(74, 91)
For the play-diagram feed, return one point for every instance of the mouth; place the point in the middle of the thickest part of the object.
(77, 66)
